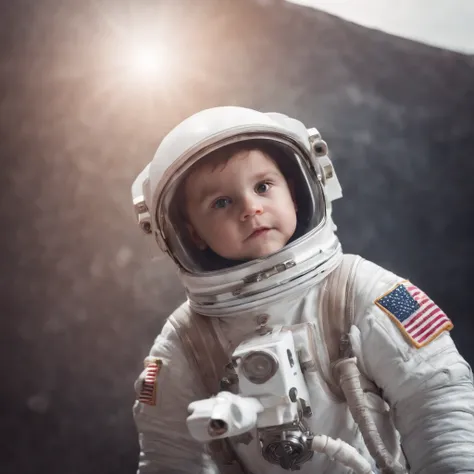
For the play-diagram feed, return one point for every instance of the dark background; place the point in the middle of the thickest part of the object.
(82, 297)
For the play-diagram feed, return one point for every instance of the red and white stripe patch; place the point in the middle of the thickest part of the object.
(426, 323)
(149, 382)
(417, 316)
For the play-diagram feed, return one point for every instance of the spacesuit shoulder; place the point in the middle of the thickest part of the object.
(397, 305)
(166, 369)
(371, 280)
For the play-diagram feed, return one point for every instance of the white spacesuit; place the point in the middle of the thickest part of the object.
(414, 377)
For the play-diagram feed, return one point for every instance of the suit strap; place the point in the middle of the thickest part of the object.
(336, 310)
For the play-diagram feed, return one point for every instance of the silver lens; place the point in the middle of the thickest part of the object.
(259, 366)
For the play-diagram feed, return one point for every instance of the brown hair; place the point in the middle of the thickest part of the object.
(222, 156)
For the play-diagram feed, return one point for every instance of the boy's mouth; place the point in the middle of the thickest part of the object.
(258, 232)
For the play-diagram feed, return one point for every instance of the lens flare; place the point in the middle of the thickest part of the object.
(146, 61)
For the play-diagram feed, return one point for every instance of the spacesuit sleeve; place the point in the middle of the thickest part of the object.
(164, 390)
(427, 383)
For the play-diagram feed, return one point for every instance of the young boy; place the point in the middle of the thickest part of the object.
(225, 205)
(241, 201)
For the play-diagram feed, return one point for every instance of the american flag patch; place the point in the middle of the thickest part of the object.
(148, 387)
(417, 316)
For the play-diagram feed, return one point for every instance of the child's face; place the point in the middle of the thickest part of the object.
(242, 209)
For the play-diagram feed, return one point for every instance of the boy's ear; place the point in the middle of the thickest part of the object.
(200, 244)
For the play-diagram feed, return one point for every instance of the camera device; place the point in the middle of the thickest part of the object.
(272, 396)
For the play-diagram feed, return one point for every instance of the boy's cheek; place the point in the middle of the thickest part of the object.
(217, 225)
(217, 233)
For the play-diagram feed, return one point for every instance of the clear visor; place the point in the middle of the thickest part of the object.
(294, 166)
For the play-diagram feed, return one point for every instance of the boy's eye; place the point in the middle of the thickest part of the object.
(262, 187)
(221, 203)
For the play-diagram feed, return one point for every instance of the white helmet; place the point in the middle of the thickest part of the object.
(235, 288)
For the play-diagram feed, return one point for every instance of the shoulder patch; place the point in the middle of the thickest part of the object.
(149, 381)
(419, 319)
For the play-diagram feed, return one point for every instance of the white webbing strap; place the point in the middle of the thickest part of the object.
(336, 313)
(202, 346)
(346, 381)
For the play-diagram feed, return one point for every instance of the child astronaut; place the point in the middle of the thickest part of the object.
(241, 202)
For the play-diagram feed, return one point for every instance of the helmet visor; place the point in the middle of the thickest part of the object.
(294, 165)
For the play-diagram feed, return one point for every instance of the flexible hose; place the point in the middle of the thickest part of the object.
(340, 451)
(350, 383)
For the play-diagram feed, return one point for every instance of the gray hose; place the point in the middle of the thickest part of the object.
(340, 451)
(350, 383)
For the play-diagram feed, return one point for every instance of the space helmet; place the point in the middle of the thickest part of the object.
(216, 286)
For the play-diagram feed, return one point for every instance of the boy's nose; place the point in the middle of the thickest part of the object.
(251, 206)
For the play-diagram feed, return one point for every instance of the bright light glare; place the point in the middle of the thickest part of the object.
(147, 62)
